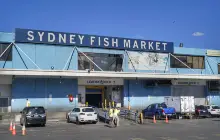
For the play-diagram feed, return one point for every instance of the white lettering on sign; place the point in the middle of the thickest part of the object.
(135, 44)
(143, 45)
(92, 40)
(81, 37)
(164, 45)
(106, 42)
(83, 81)
(41, 35)
(72, 38)
(30, 35)
(48, 37)
(114, 42)
(51, 37)
(188, 82)
(62, 38)
(127, 43)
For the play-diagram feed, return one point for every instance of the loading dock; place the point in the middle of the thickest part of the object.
(95, 92)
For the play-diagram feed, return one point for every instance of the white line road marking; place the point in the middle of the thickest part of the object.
(197, 137)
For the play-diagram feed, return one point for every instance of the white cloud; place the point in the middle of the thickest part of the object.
(138, 37)
(198, 34)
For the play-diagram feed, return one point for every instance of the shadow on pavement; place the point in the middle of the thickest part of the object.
(216, 120)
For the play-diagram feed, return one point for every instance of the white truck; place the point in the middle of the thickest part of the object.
(184, 105)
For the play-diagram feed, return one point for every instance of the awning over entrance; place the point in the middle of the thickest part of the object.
(102, 74)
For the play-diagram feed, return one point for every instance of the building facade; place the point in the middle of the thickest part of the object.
(45, 67)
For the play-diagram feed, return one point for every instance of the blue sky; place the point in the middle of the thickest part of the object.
(165, 20)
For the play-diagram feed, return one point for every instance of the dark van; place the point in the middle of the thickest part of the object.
(34, 115)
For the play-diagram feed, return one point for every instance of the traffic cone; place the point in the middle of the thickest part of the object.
(14, 130)
(166, 121)
(154, 119)
(23, 130)
(11, 127)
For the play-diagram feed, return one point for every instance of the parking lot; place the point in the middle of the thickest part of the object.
(174, 130)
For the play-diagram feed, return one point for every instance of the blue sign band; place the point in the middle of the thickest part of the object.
(84, 40)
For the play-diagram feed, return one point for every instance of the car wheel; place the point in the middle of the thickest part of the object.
(68, 119)
(95, 122)
(210, 115)
(77, 121)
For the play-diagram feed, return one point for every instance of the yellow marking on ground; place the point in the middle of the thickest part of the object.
(218, 135)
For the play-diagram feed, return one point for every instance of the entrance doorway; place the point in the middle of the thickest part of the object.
(94, 95)
(94, 100)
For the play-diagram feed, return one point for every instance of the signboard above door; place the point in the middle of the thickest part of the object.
(189, 82)
(100, 81)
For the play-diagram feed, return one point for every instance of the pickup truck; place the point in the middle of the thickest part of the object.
(160, 110)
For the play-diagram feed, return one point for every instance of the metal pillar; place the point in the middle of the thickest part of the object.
(69, 59)
(209, 66)
(130, 60)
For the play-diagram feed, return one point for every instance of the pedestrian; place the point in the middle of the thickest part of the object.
(28, 103)
(115, 116)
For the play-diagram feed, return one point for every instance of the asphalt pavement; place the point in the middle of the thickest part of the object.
(200, 129)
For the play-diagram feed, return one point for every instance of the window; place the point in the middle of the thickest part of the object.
(107, 62)
(214, 86)
(215, 107)
(218, 68)
(3, 102)
(162, 106)
(7, 56)
(194, 62)
(36, 110)
(149, 107)
(77, 110)
(87, 110)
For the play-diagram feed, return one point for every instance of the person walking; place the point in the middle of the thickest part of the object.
(28, 103)
(115, 116)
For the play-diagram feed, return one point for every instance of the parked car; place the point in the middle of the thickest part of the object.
(33, 115)
(82, 115)
(214, 110)
(160, 110)
(201, 111)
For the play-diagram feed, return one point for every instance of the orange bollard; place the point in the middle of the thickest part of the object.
(23, 130)
(14, 130)
(11, 127)
(166, 121)
(154, 120)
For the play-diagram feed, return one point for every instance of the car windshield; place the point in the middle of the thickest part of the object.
(215, 107)
(162, 106)
(87, 110)
(201, 107)
(36, 110)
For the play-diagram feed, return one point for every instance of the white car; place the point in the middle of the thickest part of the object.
(213, 110)
(82, 115)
